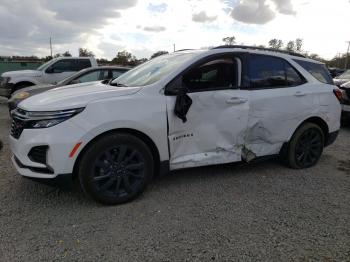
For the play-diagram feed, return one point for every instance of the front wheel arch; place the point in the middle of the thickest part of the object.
(148, 141)
(21, 84)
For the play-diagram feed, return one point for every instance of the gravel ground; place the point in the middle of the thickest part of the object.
(257, 212)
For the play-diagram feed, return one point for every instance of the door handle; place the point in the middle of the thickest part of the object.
(299, 93)
(236, 100)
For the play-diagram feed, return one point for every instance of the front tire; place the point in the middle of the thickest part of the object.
(306, 146)
(116, 168)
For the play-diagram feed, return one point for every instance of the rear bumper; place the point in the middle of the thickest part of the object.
(331, 138)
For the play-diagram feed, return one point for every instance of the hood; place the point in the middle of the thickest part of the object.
(22, 73)
(74, 96)
(36, 89)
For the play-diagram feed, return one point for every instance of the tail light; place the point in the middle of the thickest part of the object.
(339, 94)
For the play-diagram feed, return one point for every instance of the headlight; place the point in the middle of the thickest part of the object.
(44, 119)
(20, 95)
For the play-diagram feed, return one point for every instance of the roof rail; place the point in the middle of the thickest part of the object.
(183, 50)
(259, 48)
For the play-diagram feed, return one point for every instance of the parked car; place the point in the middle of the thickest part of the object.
(86, 75)
(335, 71)
(186, 109)
(342, 79)
(346, 99)
(51, 72)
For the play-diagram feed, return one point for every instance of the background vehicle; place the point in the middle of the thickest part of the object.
(83, 76)
(346, 99)
(342, 79)
(51, 72)
(186, 109)
(335, 71)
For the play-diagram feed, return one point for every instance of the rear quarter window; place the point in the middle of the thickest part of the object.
(319, 71)
(83, 63)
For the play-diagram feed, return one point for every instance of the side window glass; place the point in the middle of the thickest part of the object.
(266, 72)
(117, 73)
(83, 63)
(89, 77)
(67, 65)
(219, 73)
(319, 71)
(293, 77)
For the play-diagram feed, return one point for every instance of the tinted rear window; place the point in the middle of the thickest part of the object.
(272, 72)
(83, 63)
(319, 71)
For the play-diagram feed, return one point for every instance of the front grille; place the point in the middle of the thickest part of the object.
(38, 154)
(17, 127)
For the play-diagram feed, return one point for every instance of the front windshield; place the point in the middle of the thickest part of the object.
(154, 70)
(43, 65)
(345, 75)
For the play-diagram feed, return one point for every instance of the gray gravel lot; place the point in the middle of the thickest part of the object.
(258, 212)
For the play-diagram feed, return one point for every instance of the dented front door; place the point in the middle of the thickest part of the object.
(214, 130)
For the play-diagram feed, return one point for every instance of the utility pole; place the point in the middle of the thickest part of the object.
(174, 47)
(347, 55)
(50, 47)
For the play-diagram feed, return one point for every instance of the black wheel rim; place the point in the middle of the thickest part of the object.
(119, 171)
(309, 148)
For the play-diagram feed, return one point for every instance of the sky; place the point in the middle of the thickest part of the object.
(143, 27)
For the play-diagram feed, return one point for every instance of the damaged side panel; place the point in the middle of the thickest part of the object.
(274, 114)
(214, 131)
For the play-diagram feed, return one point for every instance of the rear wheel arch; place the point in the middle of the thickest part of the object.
(317, 121)
(314, 120)
(145, 138)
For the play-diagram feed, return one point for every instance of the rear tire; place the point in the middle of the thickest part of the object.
(116, 168)
(305, 147)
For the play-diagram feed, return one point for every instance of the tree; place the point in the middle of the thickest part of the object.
(229, 40)
(84, 52)
(290, 46)
(279, 45)
(276, 44)
(66, 54)
(273, 43)
(159, 53)
(124, 58)
(298, 44)
(57, 55)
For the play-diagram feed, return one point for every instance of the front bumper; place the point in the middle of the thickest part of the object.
(59, 139)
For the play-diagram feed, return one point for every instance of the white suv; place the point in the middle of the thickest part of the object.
(186, 109)
(51, 72)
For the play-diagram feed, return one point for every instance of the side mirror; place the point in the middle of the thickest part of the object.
(182, 104)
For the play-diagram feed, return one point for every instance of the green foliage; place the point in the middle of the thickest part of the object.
(229, 40)
(84, 52)
(66, 54)
(159, 53)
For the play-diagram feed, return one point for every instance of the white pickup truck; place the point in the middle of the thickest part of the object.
(51, 72)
